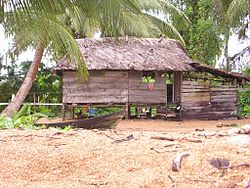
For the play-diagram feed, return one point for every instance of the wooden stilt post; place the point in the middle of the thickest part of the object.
(34, 95)
(73, 113)
(126, 111)
(63, 111)
(129, 111)
(38, 102)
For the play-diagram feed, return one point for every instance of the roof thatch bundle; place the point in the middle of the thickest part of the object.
(132, 54)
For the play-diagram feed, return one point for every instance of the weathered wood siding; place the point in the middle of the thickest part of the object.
(200, 100)
(139, 92)
(223, 101)
(113, 87)
(177, 86)
(102, 87)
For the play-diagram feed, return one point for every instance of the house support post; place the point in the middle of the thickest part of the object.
(126, 111)
(63, 111)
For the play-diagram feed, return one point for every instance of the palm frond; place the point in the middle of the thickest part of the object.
(30, 21)
(238, 12)
(56, 35)
(177, 16)
(149, 4)
(166, 29)
(134, 25)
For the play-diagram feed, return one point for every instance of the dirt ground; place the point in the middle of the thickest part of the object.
(176, 126)
(105, 158)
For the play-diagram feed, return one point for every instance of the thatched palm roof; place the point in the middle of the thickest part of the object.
(132, 54)
(139, 54)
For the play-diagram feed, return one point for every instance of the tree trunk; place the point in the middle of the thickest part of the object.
(23, 91)
(228, 67)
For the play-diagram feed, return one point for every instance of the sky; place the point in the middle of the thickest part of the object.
(5, 44)
(235, 46)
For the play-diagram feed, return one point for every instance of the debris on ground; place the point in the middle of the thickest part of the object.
(176, 165)
(128, 138)
(90, 158)
(176, 139)
(245, 129)
(199, 129)
(220, 125)
(219, 163)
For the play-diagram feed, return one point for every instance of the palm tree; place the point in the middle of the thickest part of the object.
(238, 17)
(42, 25)
(232, 15)
(220, 8)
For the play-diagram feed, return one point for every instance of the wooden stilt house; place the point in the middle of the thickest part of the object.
(144, 72)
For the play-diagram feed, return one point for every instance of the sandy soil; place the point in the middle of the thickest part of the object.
(176, 126)
(94, 158)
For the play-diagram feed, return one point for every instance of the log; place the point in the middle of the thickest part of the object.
(176, 165)
(193, 140)
(163, 138)
(176, 139)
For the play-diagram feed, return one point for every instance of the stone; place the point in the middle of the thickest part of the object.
(245, 129)
(220, 124)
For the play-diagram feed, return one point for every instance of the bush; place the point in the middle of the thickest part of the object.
(21, 119)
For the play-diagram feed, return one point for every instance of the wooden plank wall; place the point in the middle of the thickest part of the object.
(223, 101)
(200, 100)
(177, 86)
(139, 92)
(102, 87)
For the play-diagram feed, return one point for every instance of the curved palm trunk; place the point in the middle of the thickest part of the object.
(23, 91)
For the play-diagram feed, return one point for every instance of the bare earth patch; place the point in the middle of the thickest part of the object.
(95, 158)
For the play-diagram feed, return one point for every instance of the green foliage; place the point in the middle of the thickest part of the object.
(57, 24)
(148, 79)
(99, 111)
(66, 128)
(244, 97)
(244, 100)
(205, 42)
(202, 37)
(47, 87)
(20, 119)
(238, 16)
(106, 111)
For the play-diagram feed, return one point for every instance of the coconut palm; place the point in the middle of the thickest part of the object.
(238, 15)
(232, 15)
(43, 24)
(219, 12)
